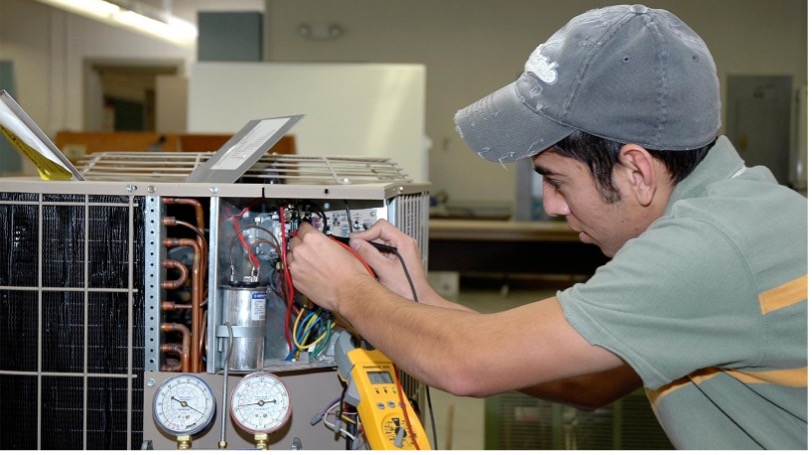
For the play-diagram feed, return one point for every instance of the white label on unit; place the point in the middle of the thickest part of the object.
(258, 307)
(238, 153)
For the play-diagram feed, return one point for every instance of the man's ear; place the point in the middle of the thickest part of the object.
(639, 171)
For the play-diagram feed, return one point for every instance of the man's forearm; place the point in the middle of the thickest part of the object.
(589, 391)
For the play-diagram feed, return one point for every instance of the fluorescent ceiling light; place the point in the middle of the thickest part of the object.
(163, 25)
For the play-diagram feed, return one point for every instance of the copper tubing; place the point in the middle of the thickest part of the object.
(197, 286)
(199, 217)
(200, 230)
(185, 344)
(204, 251)
(204, 334)
(169, 305)
(184, 274)
(171, 221)
(172, 348)
(171, 369)
(201, 224)
(198, 270)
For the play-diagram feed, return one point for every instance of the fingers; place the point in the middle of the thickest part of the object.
(316, 250)
(305, 228)
(381, 230)
(370, 254)
(298, 236)
(297, 243)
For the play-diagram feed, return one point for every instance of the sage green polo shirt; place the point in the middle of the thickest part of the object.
(708, 305)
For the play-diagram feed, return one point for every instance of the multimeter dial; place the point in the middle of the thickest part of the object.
(183, 405)
(396, 432)
(260, 403)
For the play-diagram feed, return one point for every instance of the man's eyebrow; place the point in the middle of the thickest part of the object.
(543, 171)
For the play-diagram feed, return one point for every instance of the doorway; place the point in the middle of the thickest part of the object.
(121, 95)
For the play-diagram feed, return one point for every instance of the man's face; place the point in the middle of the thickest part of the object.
(570, 191)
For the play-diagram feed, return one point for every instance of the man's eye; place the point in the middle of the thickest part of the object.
(552, 183)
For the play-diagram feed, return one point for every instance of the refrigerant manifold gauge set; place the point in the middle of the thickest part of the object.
(184, 406)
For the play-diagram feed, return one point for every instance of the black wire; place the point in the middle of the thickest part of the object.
(408, 276)
(313, 207)
(431, 415)
(349, 214)
(414, 297)
(324, 223)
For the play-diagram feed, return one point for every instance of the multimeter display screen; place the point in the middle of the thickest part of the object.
(380, 377)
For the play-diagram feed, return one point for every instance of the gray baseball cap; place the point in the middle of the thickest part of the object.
(627, 73)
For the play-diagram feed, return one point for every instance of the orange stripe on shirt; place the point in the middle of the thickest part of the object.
(787, 294)
(795, 377)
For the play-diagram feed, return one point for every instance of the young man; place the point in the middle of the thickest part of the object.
(704, 300)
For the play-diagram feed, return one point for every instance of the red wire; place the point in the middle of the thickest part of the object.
(288, 280)
(405, 409)
(357, 256)
(251, 255)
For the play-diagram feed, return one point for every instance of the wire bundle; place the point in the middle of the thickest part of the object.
(312, 331)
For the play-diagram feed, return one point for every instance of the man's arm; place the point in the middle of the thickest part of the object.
(591, 391)
(459, 351)
(586, 392)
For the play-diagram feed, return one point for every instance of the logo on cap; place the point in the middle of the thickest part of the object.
(542, 67)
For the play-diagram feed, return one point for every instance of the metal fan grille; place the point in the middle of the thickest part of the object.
(270, 169)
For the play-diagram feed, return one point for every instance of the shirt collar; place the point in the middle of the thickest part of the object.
(722, 162)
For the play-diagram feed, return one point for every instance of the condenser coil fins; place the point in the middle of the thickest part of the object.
(71, 321)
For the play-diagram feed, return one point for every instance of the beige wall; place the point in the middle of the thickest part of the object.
(471, 48)
(49, 48)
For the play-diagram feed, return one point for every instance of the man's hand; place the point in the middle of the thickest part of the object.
(387, 265)
(322, 269)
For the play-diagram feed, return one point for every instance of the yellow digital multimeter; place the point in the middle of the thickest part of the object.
(387, 417)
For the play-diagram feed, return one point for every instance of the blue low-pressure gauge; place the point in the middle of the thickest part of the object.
(184, 405)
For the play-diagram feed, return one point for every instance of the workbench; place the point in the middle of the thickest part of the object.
(505, 246)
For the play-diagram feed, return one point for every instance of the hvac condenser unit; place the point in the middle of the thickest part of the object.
(114, 286)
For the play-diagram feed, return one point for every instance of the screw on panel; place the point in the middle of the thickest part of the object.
(213, 190)
(130, 188)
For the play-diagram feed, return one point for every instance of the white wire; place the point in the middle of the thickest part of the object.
(332, 425)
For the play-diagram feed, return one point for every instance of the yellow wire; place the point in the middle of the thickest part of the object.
(308, 327)
(317, 340)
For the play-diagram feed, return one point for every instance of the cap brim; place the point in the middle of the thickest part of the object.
(501, 128)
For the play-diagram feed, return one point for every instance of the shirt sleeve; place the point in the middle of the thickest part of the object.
(674, 300)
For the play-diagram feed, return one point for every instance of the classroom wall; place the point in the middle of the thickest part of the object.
(471, 48)
(49, 47)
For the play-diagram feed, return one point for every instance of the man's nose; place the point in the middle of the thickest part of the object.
(555, 204)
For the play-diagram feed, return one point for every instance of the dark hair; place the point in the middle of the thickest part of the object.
(601, 155)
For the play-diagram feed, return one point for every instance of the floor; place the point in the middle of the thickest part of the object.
(460, 421)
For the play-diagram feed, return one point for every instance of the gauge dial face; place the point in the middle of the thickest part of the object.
(260, 403)
(183, 405)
